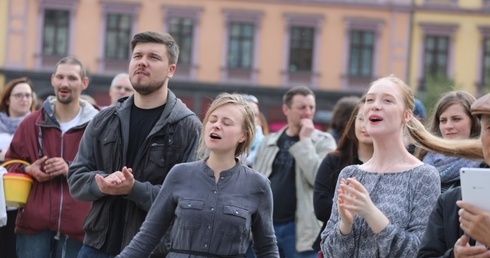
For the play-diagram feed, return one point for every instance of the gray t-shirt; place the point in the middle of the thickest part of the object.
(406, 198)
(209, 218)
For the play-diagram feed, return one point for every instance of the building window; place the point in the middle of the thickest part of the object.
(301, 49)
(485, 79)
(359, 66)
(303, 33)
(181, 30)
(117, 37)
(361, 53)
(183, 23)
(240, 55)
(436, 59)
(56, 23)
(55, 33)
(436, 50)
(118, 24)
(240, 47)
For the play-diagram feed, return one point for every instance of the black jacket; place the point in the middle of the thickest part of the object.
(443, 229)
(173, 139)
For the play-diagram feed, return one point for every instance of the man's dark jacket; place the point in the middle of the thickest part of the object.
(443, 228)
(174, 139)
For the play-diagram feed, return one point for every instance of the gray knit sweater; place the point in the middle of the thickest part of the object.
(406, 198)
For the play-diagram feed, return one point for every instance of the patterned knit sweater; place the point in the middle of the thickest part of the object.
(406, 198)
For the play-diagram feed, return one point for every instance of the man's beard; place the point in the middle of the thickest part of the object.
(67, 100)
(148, 89)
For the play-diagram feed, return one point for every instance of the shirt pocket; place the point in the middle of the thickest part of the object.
(236, 220)
(109, 147)
(189, 213)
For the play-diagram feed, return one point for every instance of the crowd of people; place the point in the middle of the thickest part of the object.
(145, 177)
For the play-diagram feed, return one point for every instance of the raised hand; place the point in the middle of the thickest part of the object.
(346, 215)
(307, 127)
(358, 201)
(117, 183)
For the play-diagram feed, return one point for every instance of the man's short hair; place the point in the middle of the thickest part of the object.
(73, 61)
(161, 38)
(287, 99)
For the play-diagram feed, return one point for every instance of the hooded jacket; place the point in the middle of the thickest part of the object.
(49, 205)
(174, 139)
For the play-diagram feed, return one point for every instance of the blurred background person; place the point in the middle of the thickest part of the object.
(420, 114)
(340, 115)
(354, 147)
(290, 158)
(452, 120)
(120, 87)
(259, 134)
(16, 103)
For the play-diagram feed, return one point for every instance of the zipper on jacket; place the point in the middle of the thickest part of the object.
(58, 233)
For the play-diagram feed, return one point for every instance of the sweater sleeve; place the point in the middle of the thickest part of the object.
(334, 244)
(82, 171)
(157, 222)
(265, 244)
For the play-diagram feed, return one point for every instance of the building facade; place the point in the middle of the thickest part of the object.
(451, 38)
(260, 47)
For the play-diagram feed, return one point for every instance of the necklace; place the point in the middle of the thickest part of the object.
(398, 161)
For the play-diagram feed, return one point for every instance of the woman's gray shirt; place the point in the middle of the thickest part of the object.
(209, 218)
(406, 198)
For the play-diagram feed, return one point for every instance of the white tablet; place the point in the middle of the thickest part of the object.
(475, 186)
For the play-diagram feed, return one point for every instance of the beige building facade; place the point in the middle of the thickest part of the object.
(262, 47)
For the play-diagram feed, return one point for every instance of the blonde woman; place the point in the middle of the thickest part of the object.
(216, 202)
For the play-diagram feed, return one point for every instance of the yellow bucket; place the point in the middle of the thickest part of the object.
(16, 186)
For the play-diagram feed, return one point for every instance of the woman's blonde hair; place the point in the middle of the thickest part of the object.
(248, 125)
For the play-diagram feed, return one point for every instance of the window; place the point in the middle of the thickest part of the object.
(485, 78)
(183, 24)
(55, 23)
(118, 35)
(181, 30)
(240, 47)
(362, 36)
(436, 59)
(436, 56)
(55, 33)
(361, 53)
(240, 55)
(301, 49)
(118, 24)
(483, 70)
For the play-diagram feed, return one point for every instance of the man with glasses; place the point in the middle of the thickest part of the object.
(120, 87)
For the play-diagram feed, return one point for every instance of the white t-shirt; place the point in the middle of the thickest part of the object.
(66, 126)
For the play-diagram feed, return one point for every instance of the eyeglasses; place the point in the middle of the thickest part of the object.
(119, 87)
(22, 95)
